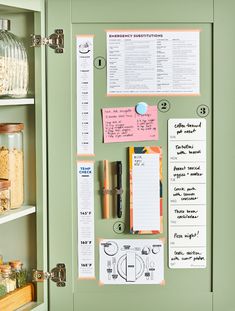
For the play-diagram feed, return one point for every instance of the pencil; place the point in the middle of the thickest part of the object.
(106, 188)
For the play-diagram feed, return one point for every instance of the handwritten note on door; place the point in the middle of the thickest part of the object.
(124, 124)
(187, 193)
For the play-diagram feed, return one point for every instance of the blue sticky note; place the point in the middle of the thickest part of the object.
(141, 108)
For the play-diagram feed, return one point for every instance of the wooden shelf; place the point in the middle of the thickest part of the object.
(17, 298)
(16, 101)
(17, 213)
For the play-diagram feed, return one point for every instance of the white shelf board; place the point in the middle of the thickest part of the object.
(16, 101)
(17, 213)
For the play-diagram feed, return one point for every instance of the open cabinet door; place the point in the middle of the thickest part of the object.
(24, 230)
(186, 288)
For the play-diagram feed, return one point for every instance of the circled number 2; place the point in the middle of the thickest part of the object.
(164, 105)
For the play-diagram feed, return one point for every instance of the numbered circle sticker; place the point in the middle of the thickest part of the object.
(164, 105)
(119, 227)
(203, 111)
(100, 62)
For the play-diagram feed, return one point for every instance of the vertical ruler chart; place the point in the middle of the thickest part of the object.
(187, 193)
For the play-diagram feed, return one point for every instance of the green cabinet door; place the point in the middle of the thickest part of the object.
(185, 289)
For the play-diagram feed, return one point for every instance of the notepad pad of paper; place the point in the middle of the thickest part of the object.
(145, 190)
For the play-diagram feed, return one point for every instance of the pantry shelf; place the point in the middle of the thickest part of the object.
(17, 213)
(16, 101)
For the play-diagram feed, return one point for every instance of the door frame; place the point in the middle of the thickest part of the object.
(61, 159)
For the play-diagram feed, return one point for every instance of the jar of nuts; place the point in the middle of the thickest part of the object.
(11, 160)
(5, 199)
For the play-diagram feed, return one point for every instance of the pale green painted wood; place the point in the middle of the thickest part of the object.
(41, 156)
(22, 5)
(224, 156)
(142, 300)
(175, 295)
(179, 283)
(27, 237)
(60, 157)
(148, 11)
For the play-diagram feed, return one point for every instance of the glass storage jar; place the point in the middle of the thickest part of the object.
(13, 63)
(19, 273)
(3, 289)
(5, 199)
(11, 160)
(8, 279)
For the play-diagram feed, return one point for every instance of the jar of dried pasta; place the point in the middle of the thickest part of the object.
(11, 160)
(5, 199)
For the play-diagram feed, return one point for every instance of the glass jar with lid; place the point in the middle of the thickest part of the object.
(8, 279)
(5, 198)
(13, 63)
(19, 273)
(3, 289)
(11, 160)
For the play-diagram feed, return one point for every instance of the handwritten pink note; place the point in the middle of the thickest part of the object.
(124, 124)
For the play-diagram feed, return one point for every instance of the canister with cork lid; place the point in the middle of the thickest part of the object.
(19, 273)
(3, 289)
(5, 196)
(11, 160)
(8, 279)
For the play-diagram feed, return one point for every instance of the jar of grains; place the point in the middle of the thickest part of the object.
(5, 199)
(11, 160)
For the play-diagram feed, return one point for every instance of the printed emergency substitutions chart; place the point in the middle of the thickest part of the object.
(153, 62)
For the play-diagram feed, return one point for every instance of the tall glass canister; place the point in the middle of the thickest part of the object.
(11, 160)
(13, 63)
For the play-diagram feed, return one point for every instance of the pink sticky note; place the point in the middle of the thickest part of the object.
(124, 124)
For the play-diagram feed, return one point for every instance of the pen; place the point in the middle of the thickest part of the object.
(119, 188)
(106, 189)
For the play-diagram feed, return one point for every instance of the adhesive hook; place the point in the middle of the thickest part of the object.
(141, 108)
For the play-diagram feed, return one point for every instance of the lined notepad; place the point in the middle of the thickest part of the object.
(145, 186)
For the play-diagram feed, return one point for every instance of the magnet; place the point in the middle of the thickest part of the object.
(141, 108)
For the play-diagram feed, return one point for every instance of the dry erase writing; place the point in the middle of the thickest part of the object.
(181, 150)
(184, 172)
(185, 256)
(187, 192)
